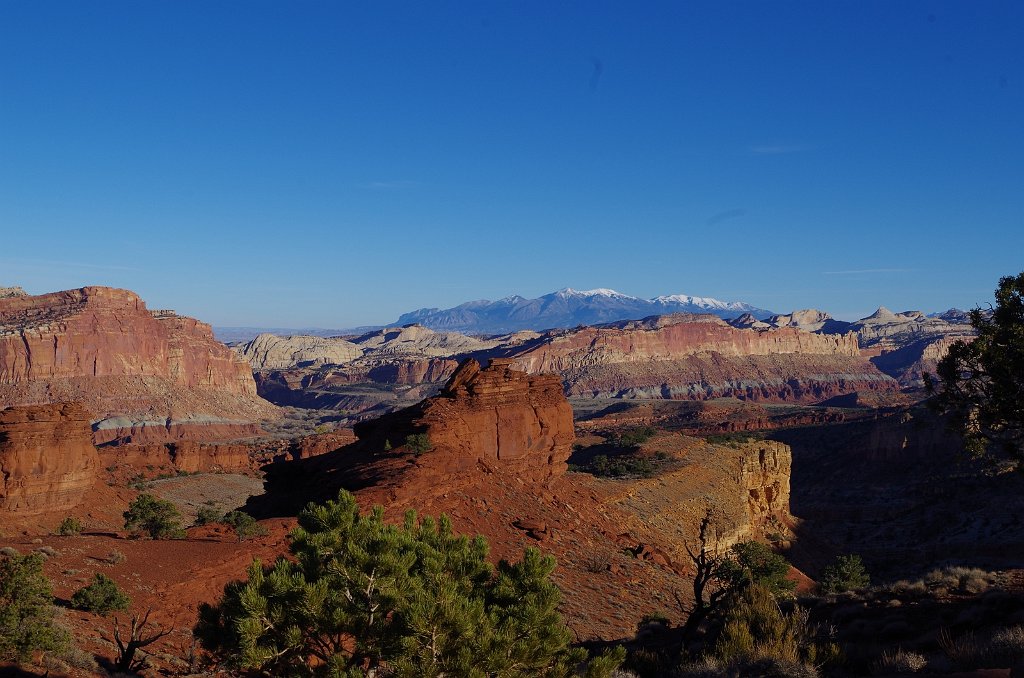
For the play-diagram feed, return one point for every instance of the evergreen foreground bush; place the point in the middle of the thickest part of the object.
(26, 609)
(158, 518)
(101, 596)
(364, 597)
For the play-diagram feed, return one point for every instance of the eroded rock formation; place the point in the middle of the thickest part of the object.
(702, 357)
(47, 459)
(493, 419)
(102, 347)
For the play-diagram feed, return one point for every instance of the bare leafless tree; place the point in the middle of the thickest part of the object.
(126, 661)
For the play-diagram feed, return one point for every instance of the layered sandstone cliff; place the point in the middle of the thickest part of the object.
(496, 419)
(702, 357)
(47, 459)
(102, 347)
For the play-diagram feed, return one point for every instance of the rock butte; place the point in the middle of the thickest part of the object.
(47, 459)
(103, 348)
(495, 420)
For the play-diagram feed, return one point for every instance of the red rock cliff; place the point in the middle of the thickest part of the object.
(699, 357)
(496, 419)
(102, 347)
(47, 460)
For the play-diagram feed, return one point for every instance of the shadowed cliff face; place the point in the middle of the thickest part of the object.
(102, 347)
(47, 460)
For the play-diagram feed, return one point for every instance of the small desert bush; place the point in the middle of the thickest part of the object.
(845, 573)
(898, 661)
(709, 667)
(960, 579)
(1006, 646)
(418, 443)
(9, 552)
(596, 563)
(47, 552)
(764, 567)
(972, 650)
(244, 525)
(70, 527)
(208, 515)
(79, 659)
(907, 589)
(102, 596)
(115, 557)
(757, 630)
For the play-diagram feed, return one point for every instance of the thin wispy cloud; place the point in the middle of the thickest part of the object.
(778, 149)
(725, 216)
(863, 271)
(35, 264)
(388, 185)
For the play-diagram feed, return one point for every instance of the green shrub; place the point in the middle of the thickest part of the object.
(764, 567)
(361, 596)
(846, 573)
(26, 610)
(70, 527)
(621, 466)
(418, 443)
(207, 516)
(634, 438)
(158, 518)
(756, 629)
(102, 596)
(244, 525)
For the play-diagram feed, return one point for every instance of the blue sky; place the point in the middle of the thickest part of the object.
(335, 164)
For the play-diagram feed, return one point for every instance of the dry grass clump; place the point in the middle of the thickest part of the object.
(960, 579)
(908, 589)
(899, 661)
(47, 552)
(115, 557)
(9, 551)
(971, 650)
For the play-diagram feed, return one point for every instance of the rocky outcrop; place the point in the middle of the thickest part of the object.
(744, 487)
(47, 460)
(6, 292)
(102, 347)
(702, 357)
(270, 352)
(896, 330)
(496, 419)
(764, 475)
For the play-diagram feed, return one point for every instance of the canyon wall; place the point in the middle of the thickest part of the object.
(103, 348)
(702, 357)
(47, 459)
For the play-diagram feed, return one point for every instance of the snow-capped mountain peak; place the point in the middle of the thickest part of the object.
(599, 292)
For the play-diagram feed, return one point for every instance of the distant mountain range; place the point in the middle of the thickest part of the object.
(567, 308)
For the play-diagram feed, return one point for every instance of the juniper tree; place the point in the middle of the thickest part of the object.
(156, 517)
(981, 382)
(365, 597)
(26, 609)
